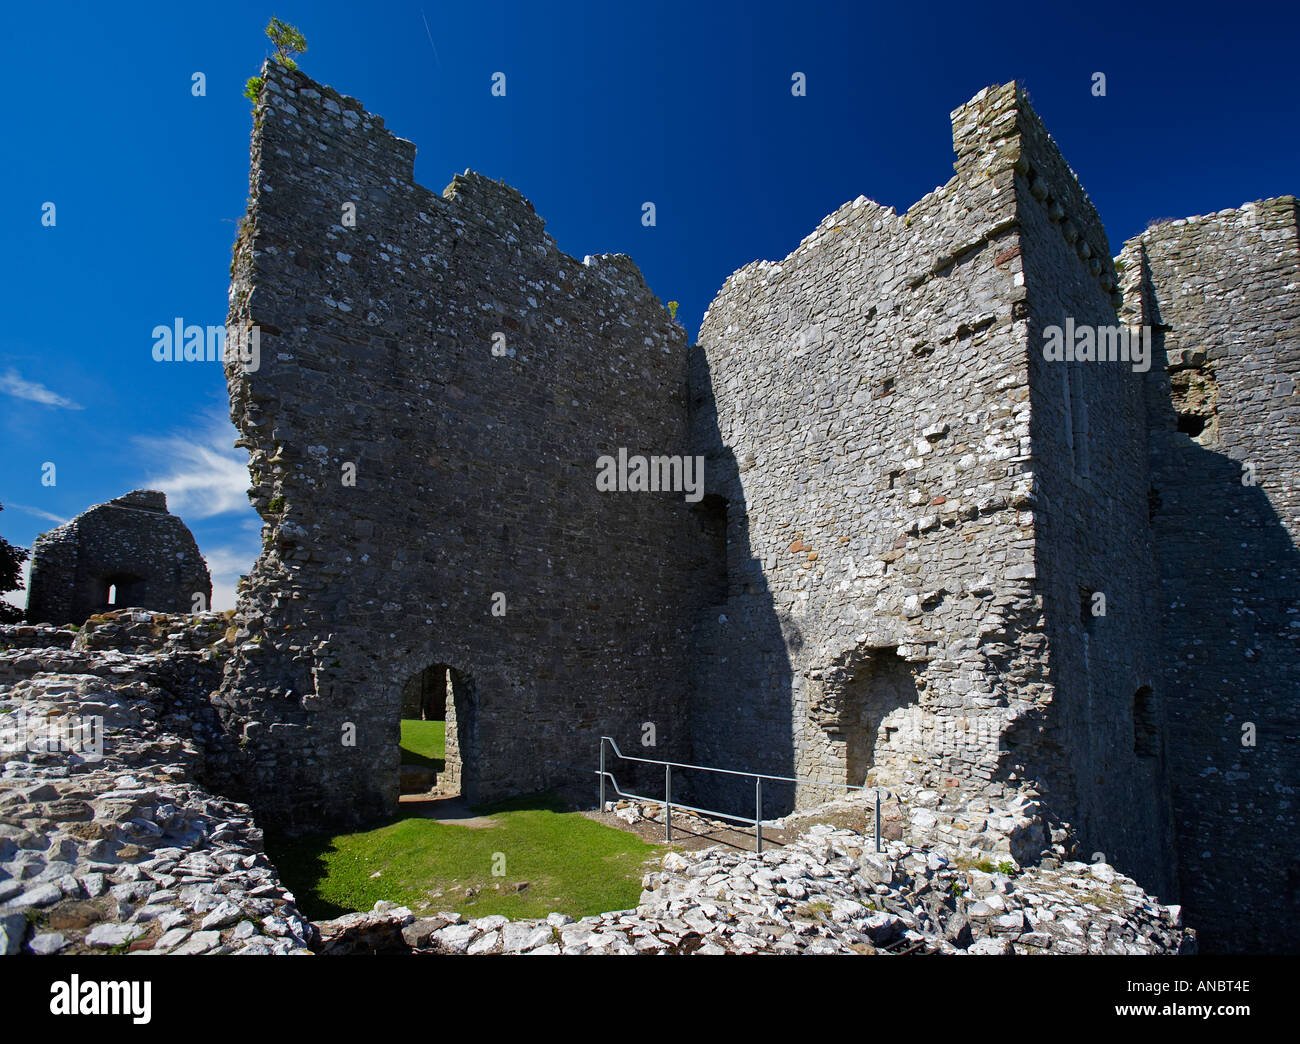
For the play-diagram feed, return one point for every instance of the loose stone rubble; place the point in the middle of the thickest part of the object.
(828, 892)
(124, 852)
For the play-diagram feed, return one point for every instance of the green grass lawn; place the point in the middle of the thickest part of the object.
(424, 743)
(571, 864)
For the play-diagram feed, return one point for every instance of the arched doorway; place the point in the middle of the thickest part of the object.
(437, 719)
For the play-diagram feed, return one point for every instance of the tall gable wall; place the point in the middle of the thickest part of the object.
(408, 474)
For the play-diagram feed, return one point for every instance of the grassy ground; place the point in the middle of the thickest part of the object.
(565, 862)
(424, 743)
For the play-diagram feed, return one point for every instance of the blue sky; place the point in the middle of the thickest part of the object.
(608, 105)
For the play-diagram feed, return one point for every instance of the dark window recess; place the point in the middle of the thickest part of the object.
(1146, 738)
(1191, 424)
(121, 590)
(1154, 503)
(711, 514)
(1085, 608)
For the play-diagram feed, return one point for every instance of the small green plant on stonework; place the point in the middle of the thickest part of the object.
(276, 505)
(1007, 867)
(957, 888)
(288, 42)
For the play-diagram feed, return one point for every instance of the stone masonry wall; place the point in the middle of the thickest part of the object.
(1095, 560)
(132, 543)
(907, 535)
(869, 428)
(473, 473)
(1222, 293)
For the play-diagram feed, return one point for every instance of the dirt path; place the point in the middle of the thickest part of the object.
(452, 810)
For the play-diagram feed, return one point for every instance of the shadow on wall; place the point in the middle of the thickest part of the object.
(1230, 592)
(741, 698)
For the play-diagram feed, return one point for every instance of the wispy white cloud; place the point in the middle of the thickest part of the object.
(206, 477)
(226, 565)
(200, 470)
(48, 516)
(13, 383)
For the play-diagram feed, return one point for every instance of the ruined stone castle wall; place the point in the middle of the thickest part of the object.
(1222, 293)
(871, 398)
(910, 511)
(909, 532)
(408, 473)
(131, 545)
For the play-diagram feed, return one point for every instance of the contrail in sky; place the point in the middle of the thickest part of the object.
(426, 29)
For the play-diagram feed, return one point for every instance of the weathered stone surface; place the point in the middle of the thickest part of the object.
(13, 929)
(397, 316)
(163, 858)
(383, 930)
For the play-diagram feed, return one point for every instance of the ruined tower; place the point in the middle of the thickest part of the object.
(1222, 294)
(921, 507)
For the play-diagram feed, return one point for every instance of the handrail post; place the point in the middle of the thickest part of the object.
(758, 813)
(601, 807)
(668, 802)
(877, 819)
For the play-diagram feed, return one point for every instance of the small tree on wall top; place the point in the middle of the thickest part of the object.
(288, 42)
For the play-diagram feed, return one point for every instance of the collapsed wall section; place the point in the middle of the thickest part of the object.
(1222, 295)
(437, 381)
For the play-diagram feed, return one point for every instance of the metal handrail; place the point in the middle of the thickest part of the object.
(758, 778)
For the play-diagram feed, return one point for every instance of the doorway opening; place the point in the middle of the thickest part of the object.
(437, 710)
